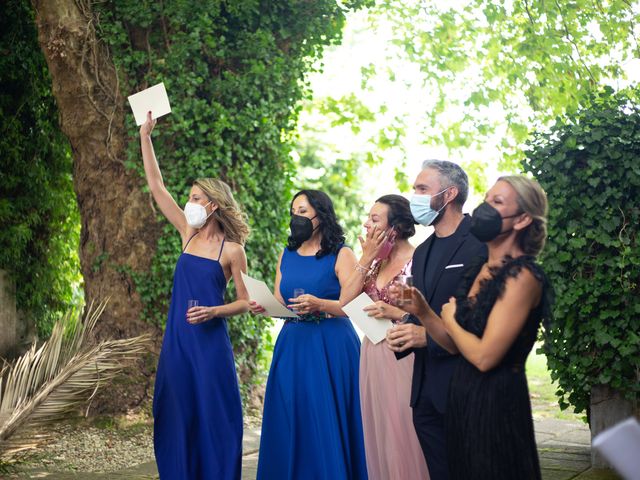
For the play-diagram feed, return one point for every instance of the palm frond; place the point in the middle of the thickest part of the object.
(50, 381)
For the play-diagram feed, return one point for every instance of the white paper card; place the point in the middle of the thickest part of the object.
(260, 293)
(620, 445)
(374, 328)
(153, 99)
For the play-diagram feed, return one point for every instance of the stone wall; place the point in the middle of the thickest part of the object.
(608, 408)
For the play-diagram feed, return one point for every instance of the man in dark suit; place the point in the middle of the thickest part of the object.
(440, 191)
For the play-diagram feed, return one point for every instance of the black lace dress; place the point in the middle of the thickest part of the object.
(488, 423)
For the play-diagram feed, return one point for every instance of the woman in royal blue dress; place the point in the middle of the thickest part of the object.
(312, 427)
(196, 404)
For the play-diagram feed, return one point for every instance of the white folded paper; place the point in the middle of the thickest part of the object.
(260, 293)
(620, 445)
(374, 328)
(153, 99)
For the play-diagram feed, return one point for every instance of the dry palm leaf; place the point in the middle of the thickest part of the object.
(48, 382)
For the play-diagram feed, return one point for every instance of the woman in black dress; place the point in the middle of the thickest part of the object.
(493, 323)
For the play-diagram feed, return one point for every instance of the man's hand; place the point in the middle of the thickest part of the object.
(405, 336)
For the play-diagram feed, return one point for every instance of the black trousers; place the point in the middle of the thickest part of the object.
(429, 424)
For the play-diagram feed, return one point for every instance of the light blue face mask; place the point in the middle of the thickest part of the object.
(421, 208)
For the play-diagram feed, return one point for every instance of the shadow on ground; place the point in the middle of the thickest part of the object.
(563, 445)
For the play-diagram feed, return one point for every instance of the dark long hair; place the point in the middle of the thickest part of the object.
(399, 216)
(332, 233)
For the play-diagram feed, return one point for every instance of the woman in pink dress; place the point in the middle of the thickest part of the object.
(391, 444)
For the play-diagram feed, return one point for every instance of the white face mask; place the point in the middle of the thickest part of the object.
(196, 214)
(421, 210)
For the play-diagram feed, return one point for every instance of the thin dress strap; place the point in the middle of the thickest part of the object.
(221, 247)
(187, 244)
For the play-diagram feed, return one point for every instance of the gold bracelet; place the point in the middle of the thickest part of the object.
(360, 269)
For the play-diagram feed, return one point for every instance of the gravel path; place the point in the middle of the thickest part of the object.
(87, 448)
(98, 445)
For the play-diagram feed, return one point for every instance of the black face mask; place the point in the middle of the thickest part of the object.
(486, 222)
(301, 228)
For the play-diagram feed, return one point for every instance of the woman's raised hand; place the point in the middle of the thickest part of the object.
(372, 243)
(147, 127)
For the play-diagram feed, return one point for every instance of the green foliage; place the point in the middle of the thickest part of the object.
(339, 138)
(588, 165)
(500, 70)
(40, 223)
(234, 72)
(338, 178)
(323, 166)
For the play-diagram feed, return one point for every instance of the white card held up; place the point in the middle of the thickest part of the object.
(620, 445)
(260, 293)
(374, 328)
(153, 99)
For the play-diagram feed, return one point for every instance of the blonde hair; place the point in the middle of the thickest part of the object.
(533, 201)
(228, 214)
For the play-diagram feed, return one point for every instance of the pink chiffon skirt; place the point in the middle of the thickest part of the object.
(391, 444)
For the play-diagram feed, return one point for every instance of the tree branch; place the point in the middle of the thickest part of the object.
(573, 42)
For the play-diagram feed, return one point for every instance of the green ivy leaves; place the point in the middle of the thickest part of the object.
(235, 73)
(39, 219)
(588, 165)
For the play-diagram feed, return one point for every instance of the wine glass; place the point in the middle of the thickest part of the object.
(406, 282)
(192, 303)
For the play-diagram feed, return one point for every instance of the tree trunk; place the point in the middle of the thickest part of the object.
(8, 316)
(119, 231)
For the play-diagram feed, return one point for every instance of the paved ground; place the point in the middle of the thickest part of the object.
(564, 448)
(565, 451)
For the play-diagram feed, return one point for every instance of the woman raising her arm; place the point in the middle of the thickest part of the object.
(196, 403)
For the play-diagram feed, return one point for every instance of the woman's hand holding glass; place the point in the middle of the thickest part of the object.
(197, 315)
(305, 303)
(381, 309)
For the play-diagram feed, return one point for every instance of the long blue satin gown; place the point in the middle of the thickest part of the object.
(196, 404)
(312, 427)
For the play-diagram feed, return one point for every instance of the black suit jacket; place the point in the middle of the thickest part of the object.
(433, 365)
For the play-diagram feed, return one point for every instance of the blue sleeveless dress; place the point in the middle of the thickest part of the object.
(312, 427)
(196, 404)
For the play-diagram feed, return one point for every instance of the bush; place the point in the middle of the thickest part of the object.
(589, 166)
